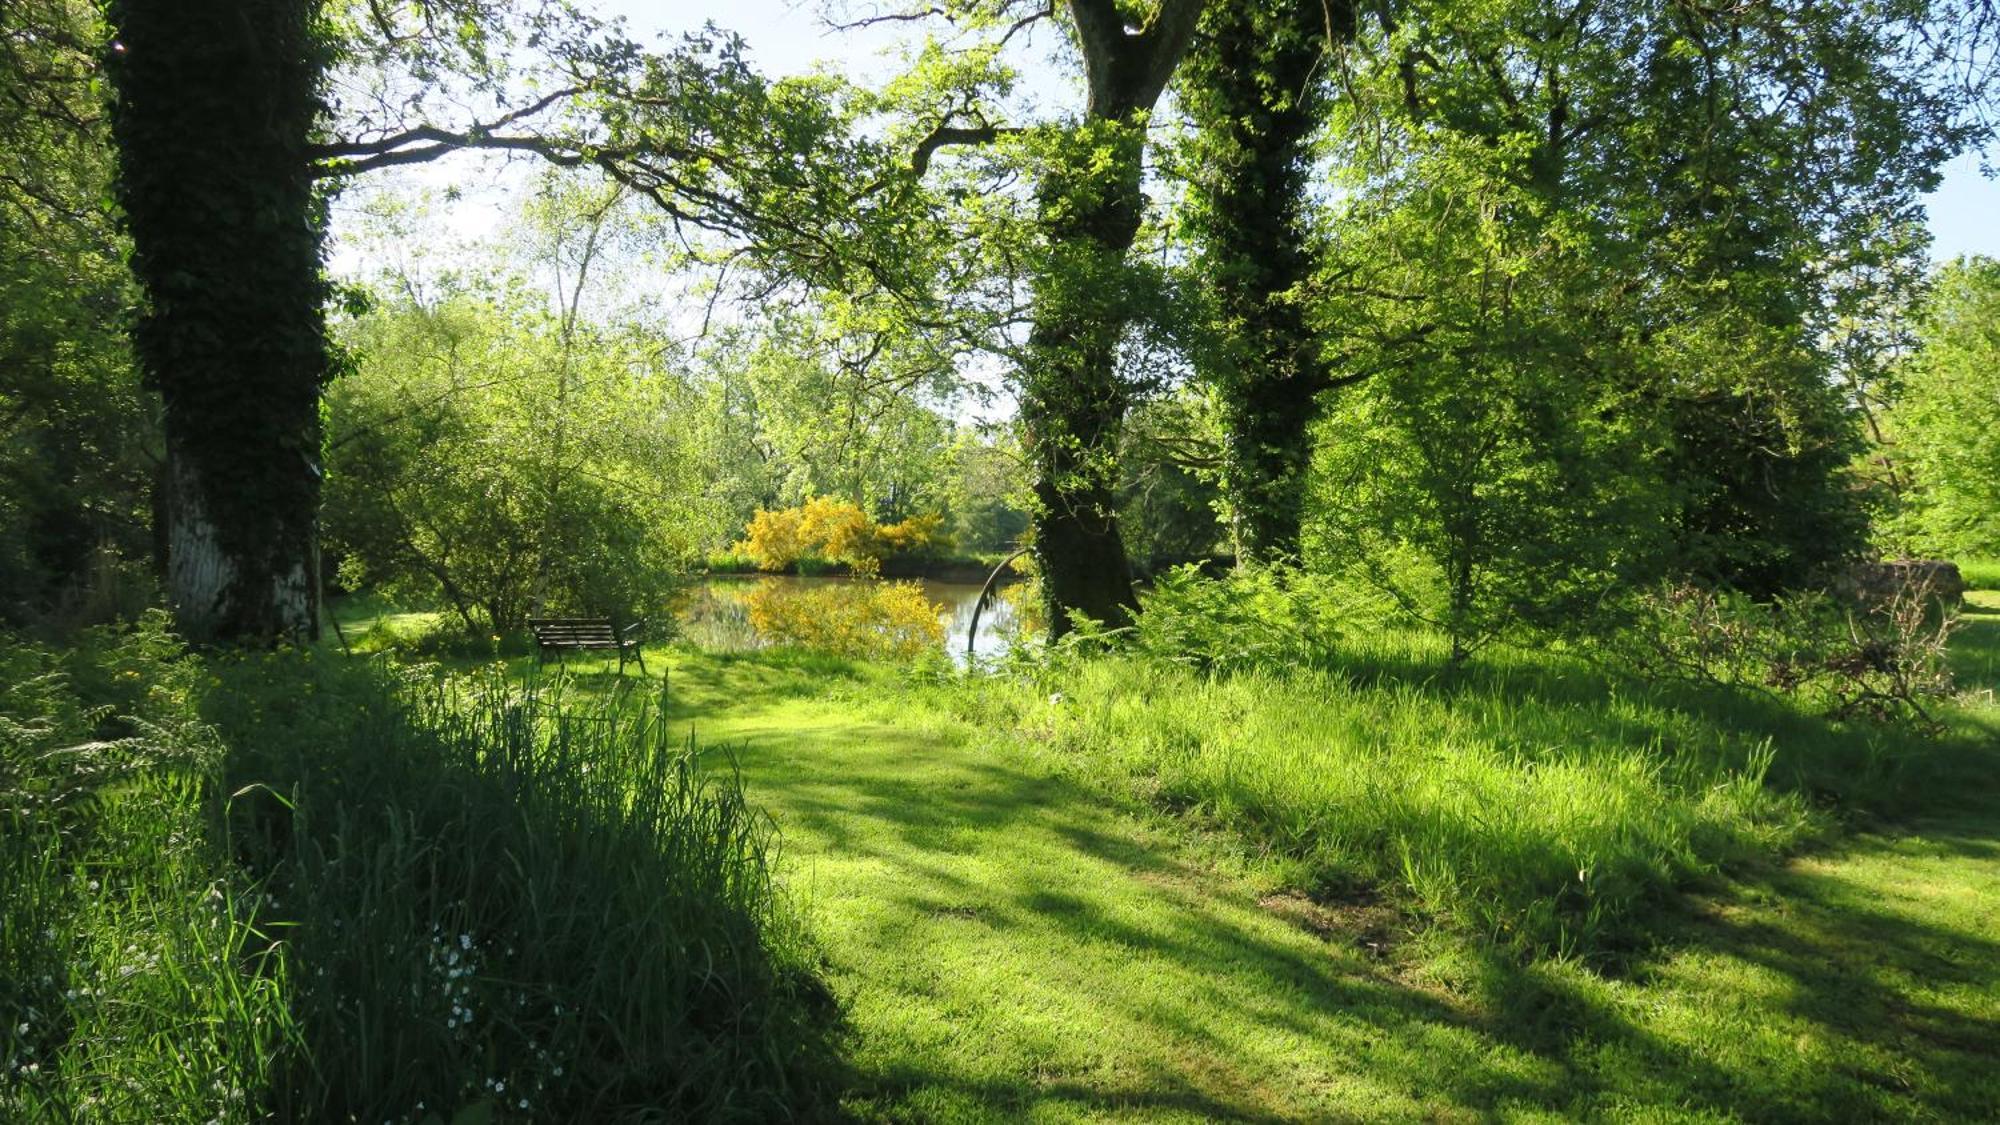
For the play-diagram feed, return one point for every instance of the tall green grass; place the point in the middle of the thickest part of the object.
(349, 891)
(1532, 797)
(1980, 574)
(132, 986)
(1537, 822)
(492, 895)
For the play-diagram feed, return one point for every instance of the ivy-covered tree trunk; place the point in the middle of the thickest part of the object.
(1254, 88)
(1073, 397)
(216, 102)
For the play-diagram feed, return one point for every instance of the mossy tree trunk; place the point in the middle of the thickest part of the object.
(1073, 397)
(216, 104)
(1256, 86)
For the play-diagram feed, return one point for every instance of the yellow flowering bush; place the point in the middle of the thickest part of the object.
(835, 531)
(842, 532)
(772, 539)
(918, 533)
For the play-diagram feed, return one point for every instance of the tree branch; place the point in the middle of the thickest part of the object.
(386, 146)
(946, 135)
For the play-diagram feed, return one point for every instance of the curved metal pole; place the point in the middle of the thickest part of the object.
(986, 595)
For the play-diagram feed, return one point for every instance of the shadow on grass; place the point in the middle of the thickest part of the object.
(506, 901)
(1046, 954)
(1819, 992)
(1868, 768)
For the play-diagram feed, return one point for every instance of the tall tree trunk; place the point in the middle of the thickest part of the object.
(215, 104)
(1073, 398)
(1255, 88)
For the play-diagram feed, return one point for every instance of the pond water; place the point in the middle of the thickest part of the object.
(716, 616)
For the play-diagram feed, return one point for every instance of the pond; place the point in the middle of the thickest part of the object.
(717, 616)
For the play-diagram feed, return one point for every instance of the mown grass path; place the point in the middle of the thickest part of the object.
(1013, 946)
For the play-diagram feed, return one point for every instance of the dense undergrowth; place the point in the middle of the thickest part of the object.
(133, 983)
(331, 890)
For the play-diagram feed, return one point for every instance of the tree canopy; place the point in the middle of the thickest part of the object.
(1507, 307)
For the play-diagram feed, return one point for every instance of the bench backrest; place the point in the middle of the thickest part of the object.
(570, 631)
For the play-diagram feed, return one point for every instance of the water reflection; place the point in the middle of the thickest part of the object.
(717, 617)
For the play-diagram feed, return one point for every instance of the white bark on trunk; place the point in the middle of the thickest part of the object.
(200, 573)
(206, 586)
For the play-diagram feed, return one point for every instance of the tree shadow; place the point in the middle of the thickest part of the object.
(1051, 953)
(428, 850)
(987, 862)
(1853, 1004)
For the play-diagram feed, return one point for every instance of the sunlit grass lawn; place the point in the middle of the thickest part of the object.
(1975, 650)
(1013, 944)
(1014, 941)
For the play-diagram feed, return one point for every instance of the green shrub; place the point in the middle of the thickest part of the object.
(730, 562)
(1257, 618)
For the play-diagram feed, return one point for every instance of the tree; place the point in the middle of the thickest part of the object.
(1946, 425)
(1255, 87)
(1073, 398)
(217, 117)
(988, 493)
(1169, 496)
(1495, 468)
(216, 106)
(499, 456)
(1680, 213)
(827, 412)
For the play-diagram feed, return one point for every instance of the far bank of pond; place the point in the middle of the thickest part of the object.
(717, 617)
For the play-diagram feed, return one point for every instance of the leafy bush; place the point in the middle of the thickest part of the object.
(1271, 618)
(860, 619)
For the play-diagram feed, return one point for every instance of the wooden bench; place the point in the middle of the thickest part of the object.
(586, 634)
